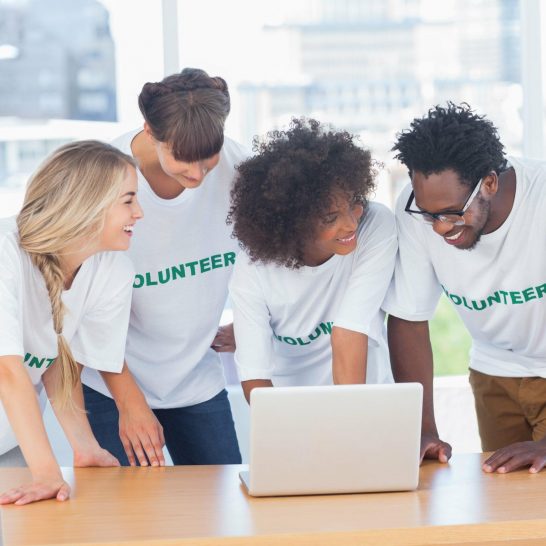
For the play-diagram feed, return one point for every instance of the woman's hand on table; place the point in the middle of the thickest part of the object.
(94, 456)
(42, 488)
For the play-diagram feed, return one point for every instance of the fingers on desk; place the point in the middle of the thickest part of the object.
(515, 456)
(434, 448)
(37, 491)
(146, 447)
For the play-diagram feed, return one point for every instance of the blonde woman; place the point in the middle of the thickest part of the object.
(64, 303)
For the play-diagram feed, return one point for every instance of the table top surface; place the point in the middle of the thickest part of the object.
(208, 505)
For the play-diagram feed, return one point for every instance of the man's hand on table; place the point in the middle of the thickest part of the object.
(434, 448)
(516, 456)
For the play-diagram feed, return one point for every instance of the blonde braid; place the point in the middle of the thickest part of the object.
(65, 205)
(50, 267)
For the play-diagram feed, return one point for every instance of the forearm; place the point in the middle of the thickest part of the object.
(411, 360)
(139, 429)
(124, 389)
(23, 411)
(349, 356)
(253, 384)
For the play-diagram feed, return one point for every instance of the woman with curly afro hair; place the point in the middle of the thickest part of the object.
(317, 261)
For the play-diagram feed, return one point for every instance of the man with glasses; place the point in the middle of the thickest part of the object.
(464, 195)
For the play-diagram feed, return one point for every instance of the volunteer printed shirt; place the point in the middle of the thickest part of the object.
(95, 323)
(284, 317)
(183, 255)
(498, 288)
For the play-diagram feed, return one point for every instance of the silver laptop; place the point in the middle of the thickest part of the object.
(334, 439)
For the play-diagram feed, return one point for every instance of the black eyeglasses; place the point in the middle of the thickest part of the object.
(454, 217)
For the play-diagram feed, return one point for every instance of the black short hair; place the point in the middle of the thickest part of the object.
(454, 137)
(282, 192)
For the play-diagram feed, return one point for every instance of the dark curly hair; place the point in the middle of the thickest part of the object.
(454, 138)
(282, 193)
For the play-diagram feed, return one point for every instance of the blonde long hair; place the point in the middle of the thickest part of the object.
(65, 203)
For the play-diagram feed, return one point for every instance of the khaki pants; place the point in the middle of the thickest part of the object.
(509, 409)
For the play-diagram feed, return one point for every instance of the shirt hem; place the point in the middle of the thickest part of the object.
(99, 365)
(412, 317)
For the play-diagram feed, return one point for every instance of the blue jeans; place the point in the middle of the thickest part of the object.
(199, 434)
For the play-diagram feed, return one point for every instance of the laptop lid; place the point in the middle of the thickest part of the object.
(334, 439)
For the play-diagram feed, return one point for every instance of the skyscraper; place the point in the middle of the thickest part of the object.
(369, 66)
(56, 60)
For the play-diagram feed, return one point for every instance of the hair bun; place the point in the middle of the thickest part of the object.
(153, 90)
(189, 79)
(220, 84)
(187, 110)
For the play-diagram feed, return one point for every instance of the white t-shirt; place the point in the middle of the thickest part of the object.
(283, 317)
(498, 288)
(183, 255)
(95, 323)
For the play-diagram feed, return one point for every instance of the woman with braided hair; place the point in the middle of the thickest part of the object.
(64, 302)
(172, 389)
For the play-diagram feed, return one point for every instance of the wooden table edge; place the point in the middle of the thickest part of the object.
(465, 534)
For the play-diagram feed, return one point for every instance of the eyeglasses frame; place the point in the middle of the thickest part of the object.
(441, 216)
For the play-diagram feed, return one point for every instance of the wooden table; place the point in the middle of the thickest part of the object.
(206, 505)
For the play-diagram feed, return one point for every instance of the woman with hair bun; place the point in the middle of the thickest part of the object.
(183, 255)
(307, 293)
(64, 302)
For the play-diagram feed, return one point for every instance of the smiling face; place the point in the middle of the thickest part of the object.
(441, 192)
(336, 231)
(122, 215)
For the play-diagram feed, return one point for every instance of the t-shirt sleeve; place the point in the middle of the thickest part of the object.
(360, 308)
(99, 341)
(251, 322)
(11, 288)
(415, 290)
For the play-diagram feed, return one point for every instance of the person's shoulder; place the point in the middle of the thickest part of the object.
(244, 263)
(115, 268)
(117, 261)
(14, 259)
(123, 142)
(380, 211)
(404, 221)
(234, 151)
(8, 226)
(401, 200)
(531, 172)
(379, 217)
(526, 163)
(9, 239)
(377, 228)
(232, 154)
(246, 268)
